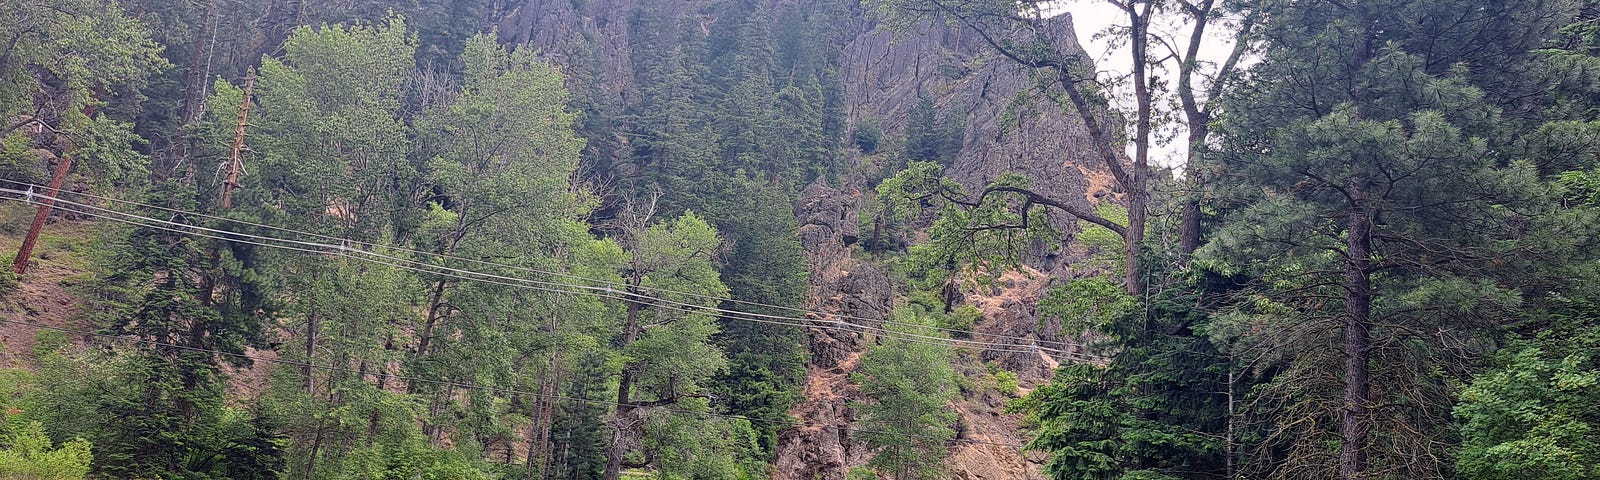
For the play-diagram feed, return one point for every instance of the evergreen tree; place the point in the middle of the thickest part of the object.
(1159, 408)
(1372, 193)
(922, 132)
(165, 416)
(766, 362)
(909, 384)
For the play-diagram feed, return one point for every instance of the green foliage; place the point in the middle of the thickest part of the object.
(1311, 149)
(19, 161)
(1094, 304)
(1532, 417)
(1005, 381)
(26, 454)
(734, 116)
(694, 447)
(1479, 132)
(59, 63)
(47, 342)
(922, 135)
(1106, 244)
(504, 150)
(1533, 413)
(765, 266)
(907, 420)
(932, 136)
(867, 135)
(411, 458)
(327, 132)
(676, 256)
(1156, 409)
(861, 473)
(979, 235)
(962, 318)
(1580, 186)
(76, 46)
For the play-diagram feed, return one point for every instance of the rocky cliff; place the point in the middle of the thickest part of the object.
(840, 285)
(1010, 126)
(883, 74)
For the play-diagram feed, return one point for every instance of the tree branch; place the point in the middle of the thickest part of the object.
(1030, 197)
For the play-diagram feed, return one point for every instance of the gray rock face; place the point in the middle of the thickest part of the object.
(839, 284)
(827, 216)
(595, 36)
(1010, 127)
(841, 287)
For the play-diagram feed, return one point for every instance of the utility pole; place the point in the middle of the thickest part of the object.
(235, 162)
(20, 265)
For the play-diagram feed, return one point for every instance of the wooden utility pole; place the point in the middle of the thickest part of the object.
(235, 162)
(20, 265)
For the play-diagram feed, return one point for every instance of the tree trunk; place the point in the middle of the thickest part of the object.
(1138, 191)
(311, 352)
(630, 333)
(1353, 420)
(426, 336)
(1189, 229)
(539, 439)
(1228, 445)
(316, 446)
(194, 90)
(236, 161)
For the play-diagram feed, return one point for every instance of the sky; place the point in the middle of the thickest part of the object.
(1091, 17)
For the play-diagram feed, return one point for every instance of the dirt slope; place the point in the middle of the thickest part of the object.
(44, 295)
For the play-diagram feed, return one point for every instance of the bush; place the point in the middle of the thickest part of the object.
(8, 278)
(963, 318)
(28, 455)
(47, 342)
(1006, 382)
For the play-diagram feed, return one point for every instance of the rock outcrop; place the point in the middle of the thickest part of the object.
(592, 35)
(1010, 126)
(1010, 313)
(840, 286)
(848, 292)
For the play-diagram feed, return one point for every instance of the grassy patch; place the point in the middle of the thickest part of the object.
(65, 243)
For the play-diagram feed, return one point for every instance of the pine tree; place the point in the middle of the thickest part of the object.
(1375, 194)
(923, 138)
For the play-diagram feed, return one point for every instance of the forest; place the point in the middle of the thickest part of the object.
(799, 239)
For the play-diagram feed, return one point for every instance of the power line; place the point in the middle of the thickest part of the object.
(499, 390)
(615, 295)
(369, 245)
(342, 249)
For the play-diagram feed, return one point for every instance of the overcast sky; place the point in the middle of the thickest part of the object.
(1091, 17)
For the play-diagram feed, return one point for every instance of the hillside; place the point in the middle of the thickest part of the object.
(799, 239)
